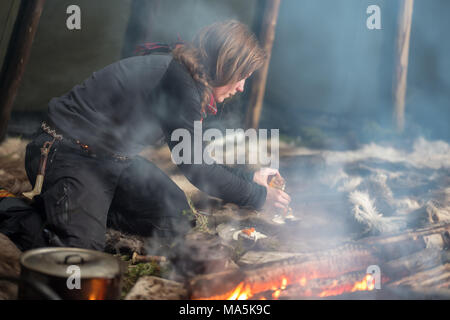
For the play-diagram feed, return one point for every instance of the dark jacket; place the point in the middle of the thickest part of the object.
(135, 102)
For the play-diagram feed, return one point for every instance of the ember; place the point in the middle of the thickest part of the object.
(368, 283)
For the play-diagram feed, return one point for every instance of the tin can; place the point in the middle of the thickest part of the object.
(71, 273)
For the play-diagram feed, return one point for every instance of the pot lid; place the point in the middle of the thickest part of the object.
(55, 262)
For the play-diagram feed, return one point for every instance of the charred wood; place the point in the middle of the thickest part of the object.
(326, 264)
(410, 264)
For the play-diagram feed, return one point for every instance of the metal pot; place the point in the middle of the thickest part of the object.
(72, 273)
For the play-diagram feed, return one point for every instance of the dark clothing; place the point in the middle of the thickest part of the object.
(133, 103)
(83, 195)
(117, 111)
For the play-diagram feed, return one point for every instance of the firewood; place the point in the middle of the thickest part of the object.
(410, 264)
(326, 264)
(254, 258)
(438, 277)
(398, 245)
(320, 288)
(136, 258)
(332, 263)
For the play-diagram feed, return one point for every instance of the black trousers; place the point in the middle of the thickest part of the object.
(83, 195)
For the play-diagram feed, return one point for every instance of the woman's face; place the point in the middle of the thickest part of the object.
(222, 93)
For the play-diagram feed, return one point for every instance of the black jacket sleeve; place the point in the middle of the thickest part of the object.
(181, 108)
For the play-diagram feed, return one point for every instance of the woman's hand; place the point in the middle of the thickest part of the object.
(275, 198)
(262, 176)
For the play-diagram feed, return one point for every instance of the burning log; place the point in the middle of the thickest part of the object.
(329, 264)
(296, 270)
(351, 282)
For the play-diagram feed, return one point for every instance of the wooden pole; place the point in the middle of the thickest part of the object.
(17, 57)
(401, 62)
(258, 86)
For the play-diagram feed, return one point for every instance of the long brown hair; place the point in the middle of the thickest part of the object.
(220, 54)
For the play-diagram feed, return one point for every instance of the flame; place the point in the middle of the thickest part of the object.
(276, 294)
(267, 290)
(367, 284)
(244, 291)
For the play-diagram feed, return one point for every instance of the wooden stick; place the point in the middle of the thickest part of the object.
(267, 37)
(401, 61)
(422, 235)
(145, 259)
(17, 57)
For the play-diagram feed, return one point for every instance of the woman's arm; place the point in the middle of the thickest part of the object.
(181, 109)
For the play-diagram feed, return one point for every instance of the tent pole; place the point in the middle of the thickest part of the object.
(258, 85)
(17, 57)
(401, 62)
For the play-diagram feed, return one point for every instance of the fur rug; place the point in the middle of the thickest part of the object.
(389, 188)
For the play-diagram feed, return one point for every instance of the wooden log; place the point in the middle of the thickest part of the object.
(397, 245)
(296, 270)
(258, 85)
(401, 61)
(321, 288)
(410, 264)
(254, 258)
(437, 277)
(323, 264)
(17, 57)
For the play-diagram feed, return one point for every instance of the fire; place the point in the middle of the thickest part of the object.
(244, 290)
(367, 284)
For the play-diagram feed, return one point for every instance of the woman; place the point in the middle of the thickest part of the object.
(94, 177)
